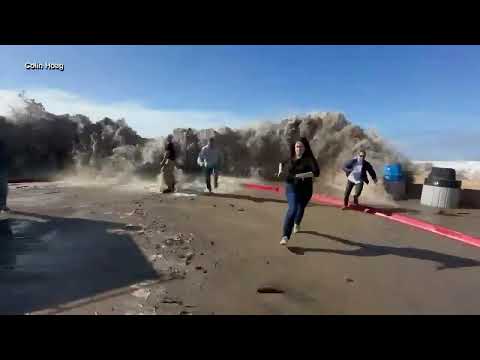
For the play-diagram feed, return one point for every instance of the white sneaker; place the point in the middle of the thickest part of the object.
(284, 241)
(296, 228)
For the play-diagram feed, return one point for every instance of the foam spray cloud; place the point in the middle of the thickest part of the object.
(43, 144)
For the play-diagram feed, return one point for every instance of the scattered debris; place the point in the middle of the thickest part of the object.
(117, 231)
(192, 196)
(133, 227)
(269, 290)
(189, 256)
(142, 293)
(168, 300)
(154, 258)
(179, 238)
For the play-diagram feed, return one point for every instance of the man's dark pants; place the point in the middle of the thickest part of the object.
(358, 190)
(208, 173)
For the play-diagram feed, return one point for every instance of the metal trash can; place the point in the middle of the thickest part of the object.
(441, 189)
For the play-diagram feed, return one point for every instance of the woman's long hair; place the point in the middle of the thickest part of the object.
(308, 150)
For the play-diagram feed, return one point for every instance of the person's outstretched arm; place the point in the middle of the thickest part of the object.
(201, 158)
(280, 169)
(348, 166)
(372, 172)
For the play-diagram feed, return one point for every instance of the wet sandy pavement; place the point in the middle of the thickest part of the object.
(69, 251)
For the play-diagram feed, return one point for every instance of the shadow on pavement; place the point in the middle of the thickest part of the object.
(49, 261)
(444, 261)
(254, 199)
(245, 197)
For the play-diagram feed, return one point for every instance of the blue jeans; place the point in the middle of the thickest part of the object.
(208, 173)
(3, 188)
(298, 198)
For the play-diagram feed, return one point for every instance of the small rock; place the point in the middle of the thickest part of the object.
(349, 280)
(96, 313)
(184, 312)
(241, 209)
(214, 205)
(232, 205)
(198, 268)
(268, 262)
(202, 253)
(269, 290)
(205, 271)
(212, 243)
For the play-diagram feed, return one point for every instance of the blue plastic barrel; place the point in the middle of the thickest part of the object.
(393, 172)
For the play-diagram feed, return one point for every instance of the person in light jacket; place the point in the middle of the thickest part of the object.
(211, 160)
(356, 171)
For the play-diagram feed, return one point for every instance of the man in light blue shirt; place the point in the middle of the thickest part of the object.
(211, 160)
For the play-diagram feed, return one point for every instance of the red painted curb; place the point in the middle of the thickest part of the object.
(403, 219)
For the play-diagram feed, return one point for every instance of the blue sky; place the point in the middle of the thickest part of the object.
(424, 99)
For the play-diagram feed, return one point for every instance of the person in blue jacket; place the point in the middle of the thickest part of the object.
(356, 171)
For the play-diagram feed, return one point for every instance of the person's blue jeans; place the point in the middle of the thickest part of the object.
(298, 198)
(3, 189)
(208, 173)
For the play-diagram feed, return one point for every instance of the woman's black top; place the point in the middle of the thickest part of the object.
(303, 165)
(171, 151)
